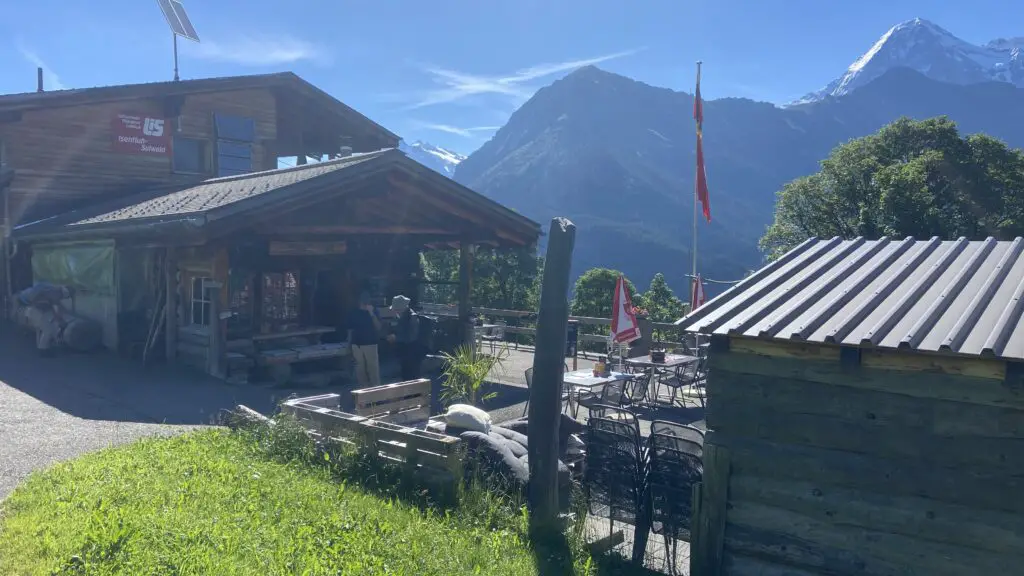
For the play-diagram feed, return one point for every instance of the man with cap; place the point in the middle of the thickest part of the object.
(407, 338)
(41, 305)
(363, 335)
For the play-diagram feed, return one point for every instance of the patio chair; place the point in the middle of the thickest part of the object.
(617, 414)
(636, 390)
(610, 394)
(529, 386)
(674, 464)
(496, 334)
(684, 376)
(612, 478)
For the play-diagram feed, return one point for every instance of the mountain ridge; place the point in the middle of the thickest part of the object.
(617, 157)
(932, 50)
(435, 157)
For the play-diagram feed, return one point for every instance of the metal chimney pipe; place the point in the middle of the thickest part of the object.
(39, 79)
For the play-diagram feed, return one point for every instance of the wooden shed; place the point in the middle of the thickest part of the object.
(866, 412)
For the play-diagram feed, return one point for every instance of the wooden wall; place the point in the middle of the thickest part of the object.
(64, 157)
(893, 464)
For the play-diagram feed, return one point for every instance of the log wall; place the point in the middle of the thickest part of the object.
(64, 156)
(895, 464)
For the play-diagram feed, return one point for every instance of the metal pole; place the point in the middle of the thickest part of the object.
(696, 177)
(175, 36)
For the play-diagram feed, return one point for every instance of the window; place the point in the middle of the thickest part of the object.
(235, 128)
(235, 136)
(190, 155)
(280, 301)
(201, 302)
(233, 158)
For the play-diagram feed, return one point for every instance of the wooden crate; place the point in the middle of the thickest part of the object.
(433, 455)
(399, 403)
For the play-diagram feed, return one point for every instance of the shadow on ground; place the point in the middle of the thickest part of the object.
(102, 386)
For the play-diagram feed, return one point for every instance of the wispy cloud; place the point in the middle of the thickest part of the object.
(457, 85)
(258, 50)
(50, 78)
(465, 132)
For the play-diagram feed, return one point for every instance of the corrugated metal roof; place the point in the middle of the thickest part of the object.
(958, 297)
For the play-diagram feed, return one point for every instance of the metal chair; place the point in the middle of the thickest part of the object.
(673, 465)
(495, 335)
(611, 395)
(613, 474)
(682, 377)
(529, 386)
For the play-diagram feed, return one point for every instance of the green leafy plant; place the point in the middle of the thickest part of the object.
(465, 371)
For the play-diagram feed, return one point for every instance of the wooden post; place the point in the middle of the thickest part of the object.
(710, 501)
(171, 305)
(218, 352)
(548, 368)
(465, 290)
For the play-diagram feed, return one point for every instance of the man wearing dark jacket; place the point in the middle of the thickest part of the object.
(363, 335)
(407, 338)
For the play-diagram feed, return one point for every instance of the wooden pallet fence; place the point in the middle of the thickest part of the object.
(426, 453)
(398, 403)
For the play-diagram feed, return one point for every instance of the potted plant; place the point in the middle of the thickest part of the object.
(464, 372)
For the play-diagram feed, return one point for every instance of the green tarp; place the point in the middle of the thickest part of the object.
(88, 267)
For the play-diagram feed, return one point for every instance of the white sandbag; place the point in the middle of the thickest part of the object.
(468, 418)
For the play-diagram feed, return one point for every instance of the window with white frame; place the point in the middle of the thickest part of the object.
(201, 301)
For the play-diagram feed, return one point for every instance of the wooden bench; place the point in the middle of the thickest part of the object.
(398, 403)
(435, 456)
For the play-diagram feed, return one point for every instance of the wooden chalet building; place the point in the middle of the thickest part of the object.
(162, 204)
(865, 412)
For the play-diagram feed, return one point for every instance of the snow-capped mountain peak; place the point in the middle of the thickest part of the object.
(435, 157)
(935, 52)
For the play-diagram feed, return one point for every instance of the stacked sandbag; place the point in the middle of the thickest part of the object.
(498, 450)
(82, 334)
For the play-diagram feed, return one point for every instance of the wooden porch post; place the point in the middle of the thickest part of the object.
(548, 374)
(218, 353)
(171, 304)
(465, 289)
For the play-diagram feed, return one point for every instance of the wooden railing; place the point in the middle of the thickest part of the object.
(526, 317)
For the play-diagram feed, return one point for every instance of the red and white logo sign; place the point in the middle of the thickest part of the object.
(137, 134)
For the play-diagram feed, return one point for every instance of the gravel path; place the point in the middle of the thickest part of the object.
(53, 409)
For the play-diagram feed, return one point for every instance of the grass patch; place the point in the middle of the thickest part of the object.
(212, 502)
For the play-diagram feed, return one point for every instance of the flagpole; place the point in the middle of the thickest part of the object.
(696, 176)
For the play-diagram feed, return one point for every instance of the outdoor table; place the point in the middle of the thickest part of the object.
(672, 361)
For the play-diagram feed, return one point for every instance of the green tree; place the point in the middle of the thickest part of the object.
(594, 290)
(502, 278)
(911, 178)
(660, 302)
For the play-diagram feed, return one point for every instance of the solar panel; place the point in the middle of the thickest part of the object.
(177, 19)
(186, 24)
(172, 18)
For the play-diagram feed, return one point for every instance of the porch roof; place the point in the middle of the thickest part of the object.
(220, 205)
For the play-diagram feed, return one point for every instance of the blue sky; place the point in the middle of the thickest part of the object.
(451, 71)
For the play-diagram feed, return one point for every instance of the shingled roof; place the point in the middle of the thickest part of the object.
(281, 80)
(954, 297)
(218, 198)
(220, 192)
